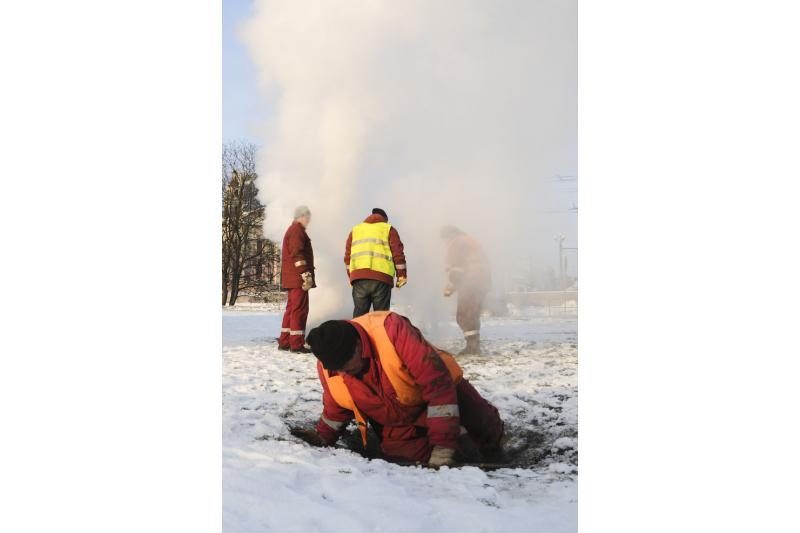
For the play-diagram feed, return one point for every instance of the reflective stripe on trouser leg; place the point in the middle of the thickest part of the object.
(297, 319)
(333, 424)
(439, 411)
(472, 333)
(283, 338)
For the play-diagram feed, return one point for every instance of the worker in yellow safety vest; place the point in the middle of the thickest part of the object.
(373, 256)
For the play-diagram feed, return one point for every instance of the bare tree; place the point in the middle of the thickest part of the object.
(245, 252)
(258, 275)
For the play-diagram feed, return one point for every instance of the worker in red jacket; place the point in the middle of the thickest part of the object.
(469, 275)
(297, 277)
(380, 370)
(373, 255)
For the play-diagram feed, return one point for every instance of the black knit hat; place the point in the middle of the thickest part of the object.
(333, 343)
(381, 212)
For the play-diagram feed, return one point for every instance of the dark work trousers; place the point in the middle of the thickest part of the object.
(293, 328)
(368, 292)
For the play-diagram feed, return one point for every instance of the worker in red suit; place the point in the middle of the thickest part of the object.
(469, 275)
(380, 370)
(297, 278)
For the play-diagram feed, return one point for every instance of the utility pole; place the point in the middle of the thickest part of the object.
(560, 238)
(562, 260)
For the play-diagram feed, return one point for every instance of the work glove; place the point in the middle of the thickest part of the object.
(401, 281)
(450, 289)
(441, 456)
(308, 280)
(308, 435)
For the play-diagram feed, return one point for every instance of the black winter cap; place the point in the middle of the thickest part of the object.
(381, 212)
(333, 343)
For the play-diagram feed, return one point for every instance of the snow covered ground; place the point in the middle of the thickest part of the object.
(273, 482)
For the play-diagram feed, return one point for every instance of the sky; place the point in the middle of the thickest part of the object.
(509, 114)
(242, 108)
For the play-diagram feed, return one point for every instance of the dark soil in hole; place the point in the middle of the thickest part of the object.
(523, 447)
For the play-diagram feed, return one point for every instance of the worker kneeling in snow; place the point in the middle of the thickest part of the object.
(379, 369)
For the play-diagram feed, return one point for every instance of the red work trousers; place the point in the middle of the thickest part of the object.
(480, 418)
(468, 312)
(293, 328)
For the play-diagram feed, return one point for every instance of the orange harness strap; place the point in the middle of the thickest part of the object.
(343, 397)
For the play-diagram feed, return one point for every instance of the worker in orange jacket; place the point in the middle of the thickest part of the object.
(380, 370)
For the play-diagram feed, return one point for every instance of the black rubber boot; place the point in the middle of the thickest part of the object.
(473, 346)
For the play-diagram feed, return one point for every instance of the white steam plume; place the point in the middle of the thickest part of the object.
(440, 112)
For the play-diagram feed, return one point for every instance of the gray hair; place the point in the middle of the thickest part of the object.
(301, 211)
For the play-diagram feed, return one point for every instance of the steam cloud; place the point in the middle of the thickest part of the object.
(440, 112)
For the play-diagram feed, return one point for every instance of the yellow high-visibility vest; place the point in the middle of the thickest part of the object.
(369, 248)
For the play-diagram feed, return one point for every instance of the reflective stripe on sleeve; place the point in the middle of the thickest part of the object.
(438, 411)
(296, 332)
(472, 332)
(333, 424)
(285, 330)
(300, 263)
(400, 267)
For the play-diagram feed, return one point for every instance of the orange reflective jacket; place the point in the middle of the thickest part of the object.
(407, 390)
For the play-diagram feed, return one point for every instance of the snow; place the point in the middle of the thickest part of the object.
(273, 482)
(565, 443)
